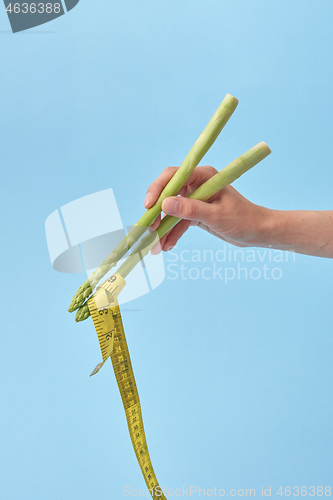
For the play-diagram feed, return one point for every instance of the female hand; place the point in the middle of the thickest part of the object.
(227, 215)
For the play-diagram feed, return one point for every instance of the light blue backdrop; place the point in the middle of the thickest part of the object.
(235, 379)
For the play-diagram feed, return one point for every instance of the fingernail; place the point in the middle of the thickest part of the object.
(171, 206)
(147, 199)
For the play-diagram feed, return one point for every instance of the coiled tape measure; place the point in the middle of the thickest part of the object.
(105, 312)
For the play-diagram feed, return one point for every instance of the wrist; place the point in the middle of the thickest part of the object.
(280, 229)
(266, 224)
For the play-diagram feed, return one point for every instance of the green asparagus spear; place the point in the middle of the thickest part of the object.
(199, 149)
(226, 176)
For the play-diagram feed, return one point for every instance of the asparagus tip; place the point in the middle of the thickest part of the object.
(81, 315)
(73, 307)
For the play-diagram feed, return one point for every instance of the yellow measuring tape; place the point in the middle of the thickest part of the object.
(105, 312)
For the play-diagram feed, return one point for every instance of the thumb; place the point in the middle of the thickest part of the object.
(188, 209)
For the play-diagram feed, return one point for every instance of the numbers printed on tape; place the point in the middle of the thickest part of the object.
(113, 285)
(111, 335)
(101, 313)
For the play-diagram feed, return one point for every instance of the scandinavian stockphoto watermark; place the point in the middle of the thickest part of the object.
(82, 233)
(198, 491)
(227, 264)
(188, 491)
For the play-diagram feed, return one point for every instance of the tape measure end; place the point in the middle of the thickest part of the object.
(96, 370)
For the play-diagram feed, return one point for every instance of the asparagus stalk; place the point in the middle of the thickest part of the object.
(226, 176)
(199, 149)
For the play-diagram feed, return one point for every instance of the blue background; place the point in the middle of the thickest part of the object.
(235, 380)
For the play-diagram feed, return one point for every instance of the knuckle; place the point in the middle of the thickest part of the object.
(210, 170)
(159, 183)
(170, 170)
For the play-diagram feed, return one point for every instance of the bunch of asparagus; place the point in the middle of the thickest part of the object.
(227, 175)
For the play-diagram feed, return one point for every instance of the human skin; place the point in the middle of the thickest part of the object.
(236, 220)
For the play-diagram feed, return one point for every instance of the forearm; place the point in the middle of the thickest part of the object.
(302, 231)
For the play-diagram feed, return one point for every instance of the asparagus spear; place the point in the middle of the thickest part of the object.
(199, 149)
(226, 176)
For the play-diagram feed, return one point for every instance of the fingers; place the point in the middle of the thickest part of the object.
(188, 209)
(158, 185)
(169, 240)
(157, 248)
(174, 235)
(198, 177)
(155, 224)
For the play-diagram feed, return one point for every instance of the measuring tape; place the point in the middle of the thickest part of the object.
(105, 312)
